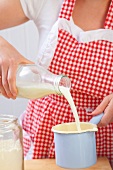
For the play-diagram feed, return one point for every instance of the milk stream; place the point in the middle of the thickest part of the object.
(10, 155)
(67, 95)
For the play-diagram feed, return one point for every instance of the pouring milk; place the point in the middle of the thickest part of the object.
(65, 91)
(46, 89)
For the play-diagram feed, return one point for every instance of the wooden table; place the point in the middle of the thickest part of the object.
(49, 164)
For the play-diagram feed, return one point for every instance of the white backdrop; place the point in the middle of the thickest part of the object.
(25, 39)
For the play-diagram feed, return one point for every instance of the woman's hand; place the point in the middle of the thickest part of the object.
(10, 58)
(106, 106)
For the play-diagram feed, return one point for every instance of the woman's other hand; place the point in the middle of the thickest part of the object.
(106, 106)
(10, 58)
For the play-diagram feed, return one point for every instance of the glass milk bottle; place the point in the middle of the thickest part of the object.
(11, 148)
(34, 81)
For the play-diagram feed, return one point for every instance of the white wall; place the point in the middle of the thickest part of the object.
(25, 39)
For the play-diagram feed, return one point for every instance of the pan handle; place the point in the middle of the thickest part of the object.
(96, 119)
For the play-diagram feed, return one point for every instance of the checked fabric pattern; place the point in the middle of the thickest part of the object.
(90, 68)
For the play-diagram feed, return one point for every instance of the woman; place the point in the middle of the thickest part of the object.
(79, 45)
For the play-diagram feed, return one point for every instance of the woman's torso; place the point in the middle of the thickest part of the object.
(86, 57)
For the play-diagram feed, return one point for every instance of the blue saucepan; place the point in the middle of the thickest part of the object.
(75, 150)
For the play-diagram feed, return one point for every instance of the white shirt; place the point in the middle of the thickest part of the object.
(44, 13)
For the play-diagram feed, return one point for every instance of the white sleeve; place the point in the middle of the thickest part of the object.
(47, 17)
(44, 13)
(32, 8)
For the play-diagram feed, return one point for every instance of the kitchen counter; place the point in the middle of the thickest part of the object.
(49, 164)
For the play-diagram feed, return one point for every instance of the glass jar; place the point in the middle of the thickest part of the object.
(11, 148)
(34, 81)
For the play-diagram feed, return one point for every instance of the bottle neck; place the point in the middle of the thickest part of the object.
(61, 80)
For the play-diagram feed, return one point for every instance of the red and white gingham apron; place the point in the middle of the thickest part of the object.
(90, 68)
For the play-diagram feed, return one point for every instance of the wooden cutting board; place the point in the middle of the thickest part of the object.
(49, 164)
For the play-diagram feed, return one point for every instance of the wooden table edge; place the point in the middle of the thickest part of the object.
(50, 164)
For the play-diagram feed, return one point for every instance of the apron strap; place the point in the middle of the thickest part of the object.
(109, 19)
(67, 9)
